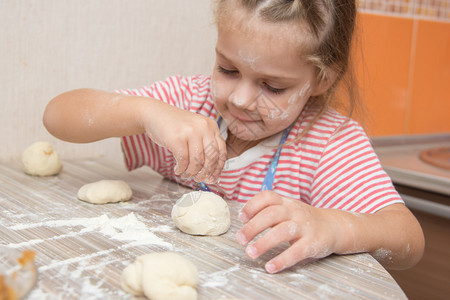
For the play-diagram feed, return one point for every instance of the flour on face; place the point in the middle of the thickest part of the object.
(248, 59)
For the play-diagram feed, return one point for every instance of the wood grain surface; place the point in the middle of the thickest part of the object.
(81, 248)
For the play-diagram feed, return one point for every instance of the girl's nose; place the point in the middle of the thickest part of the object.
(245, 95)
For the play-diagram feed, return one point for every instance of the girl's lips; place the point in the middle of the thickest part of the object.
(243, 119)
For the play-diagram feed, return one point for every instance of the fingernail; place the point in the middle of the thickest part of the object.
(251, 252)
(243, 217)
(270, 268)
(240, 237)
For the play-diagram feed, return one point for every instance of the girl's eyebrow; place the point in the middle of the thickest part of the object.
(221, 54)
(267, 76)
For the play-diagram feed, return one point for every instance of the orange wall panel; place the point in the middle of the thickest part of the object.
(384, 71)
(429, 110)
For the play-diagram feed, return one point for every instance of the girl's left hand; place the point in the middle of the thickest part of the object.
(310, 231)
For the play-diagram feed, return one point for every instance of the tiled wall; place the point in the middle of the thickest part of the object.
(425, 9)
(405, 77)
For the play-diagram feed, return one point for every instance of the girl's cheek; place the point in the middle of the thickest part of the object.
(267, 106)
(305, 91)
(275, 113)
(285, 114)
(294, 105)
(300, 96)
(213, 89)
(281, 112)
(218, 91)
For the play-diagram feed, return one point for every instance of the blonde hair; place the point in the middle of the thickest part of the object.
(331, 24)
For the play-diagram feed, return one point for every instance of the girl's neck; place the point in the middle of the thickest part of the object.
(236, 146)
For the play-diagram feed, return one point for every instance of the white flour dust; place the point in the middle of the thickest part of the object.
(88, 117)
(217, 279)
(89, 288)
(292, 228)
(248, 58)
(298, 276)
(305, 90)
(75, 260)
(293, 99)
(237, 101)
(126, 228)
(382, 254)
(38, 241)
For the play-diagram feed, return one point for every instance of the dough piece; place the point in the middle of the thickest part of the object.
(40, 159)
(105, 191)
(201, 213)
(161, 276)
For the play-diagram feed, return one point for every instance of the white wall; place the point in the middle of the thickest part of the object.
(50, 46)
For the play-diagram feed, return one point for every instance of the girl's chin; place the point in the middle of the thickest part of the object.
(246, 133)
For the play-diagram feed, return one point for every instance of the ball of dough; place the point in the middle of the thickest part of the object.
(105, 191)
(161, 276)
(201, 213)
(40, 159)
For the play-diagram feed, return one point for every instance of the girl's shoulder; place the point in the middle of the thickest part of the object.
(191, 84)
(329, 126)
(172, 84)
(186, 92)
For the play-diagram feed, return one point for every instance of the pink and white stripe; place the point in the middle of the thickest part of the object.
(333, 166)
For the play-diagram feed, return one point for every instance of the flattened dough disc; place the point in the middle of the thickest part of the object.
(439, 157)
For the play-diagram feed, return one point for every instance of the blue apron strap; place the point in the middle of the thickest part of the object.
(270, 175)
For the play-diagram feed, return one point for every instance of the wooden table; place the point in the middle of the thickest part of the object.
(82, 248)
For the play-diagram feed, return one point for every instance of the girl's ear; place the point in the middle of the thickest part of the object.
(325, 79)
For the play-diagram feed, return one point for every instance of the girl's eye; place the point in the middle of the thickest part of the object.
(273, 90)
(235, 72)
(226, 71)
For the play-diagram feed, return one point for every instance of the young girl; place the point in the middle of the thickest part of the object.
(260, 131)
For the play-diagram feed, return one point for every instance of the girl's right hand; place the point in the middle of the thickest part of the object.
(87, 115)
(194, 140)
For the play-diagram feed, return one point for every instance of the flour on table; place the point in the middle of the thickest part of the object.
(218, 278)
(126, 228)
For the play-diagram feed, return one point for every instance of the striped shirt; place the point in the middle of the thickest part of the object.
(332, 166)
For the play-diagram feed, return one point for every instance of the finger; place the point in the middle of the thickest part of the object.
(196, 157)
(283, 232)
(300, 251)
(211, 156)
(181, 157)
(257, 203)
(268, 217)
(221, 159)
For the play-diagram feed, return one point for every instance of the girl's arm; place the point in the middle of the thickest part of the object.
(88, 115)
(392, 234)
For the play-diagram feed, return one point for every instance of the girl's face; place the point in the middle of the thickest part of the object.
(260, 82)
